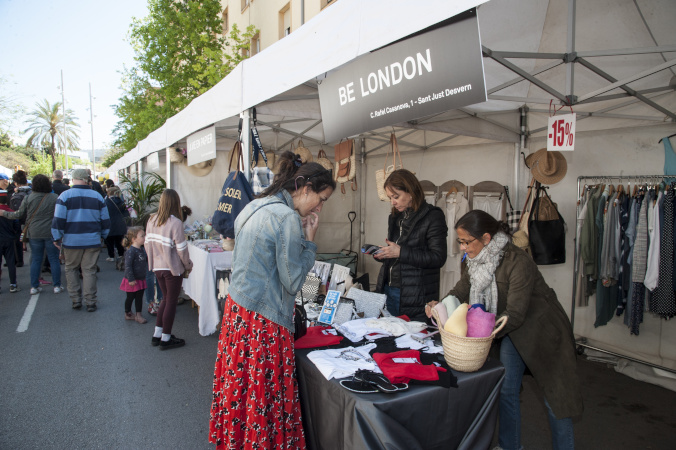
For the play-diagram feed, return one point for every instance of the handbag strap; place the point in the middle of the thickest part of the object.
(237, 148)
(511, 208)
(25, 228)
(395, 151)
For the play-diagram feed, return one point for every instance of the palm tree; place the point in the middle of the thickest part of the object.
(45, 126)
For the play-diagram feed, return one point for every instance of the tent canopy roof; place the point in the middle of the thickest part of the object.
(618, 71)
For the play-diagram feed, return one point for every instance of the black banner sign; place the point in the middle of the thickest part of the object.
(429, 73)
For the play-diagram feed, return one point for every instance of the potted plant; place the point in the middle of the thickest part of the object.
(142, 193)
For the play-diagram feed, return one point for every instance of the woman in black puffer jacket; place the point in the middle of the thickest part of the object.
(415, 250)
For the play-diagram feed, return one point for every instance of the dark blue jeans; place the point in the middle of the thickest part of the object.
(393, 298)
(509, 434)
(38, 247)
(151, 286)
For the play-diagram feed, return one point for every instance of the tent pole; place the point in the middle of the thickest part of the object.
(168, 180)
(570, 51)
(362, 201)
(246, 142)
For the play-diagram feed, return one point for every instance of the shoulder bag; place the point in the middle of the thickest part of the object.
(235, 195)
(24, 233)
(546, 230)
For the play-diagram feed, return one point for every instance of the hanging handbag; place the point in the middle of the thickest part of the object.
(310, 289)
(546, 230)
(235, 195)
(381, 175)
(513, 216)
(262, 175)
(24, 233)
(346, 167)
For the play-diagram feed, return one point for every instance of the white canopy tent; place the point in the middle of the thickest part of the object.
(612, 61)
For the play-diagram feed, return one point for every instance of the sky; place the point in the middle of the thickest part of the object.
(84, 38)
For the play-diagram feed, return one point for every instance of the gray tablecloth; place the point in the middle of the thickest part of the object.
(423, 417)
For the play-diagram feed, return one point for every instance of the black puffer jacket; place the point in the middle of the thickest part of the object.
(423, 253)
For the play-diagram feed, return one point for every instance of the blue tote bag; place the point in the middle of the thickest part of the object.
(235, 195)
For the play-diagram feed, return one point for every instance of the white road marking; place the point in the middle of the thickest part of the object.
(28, 314)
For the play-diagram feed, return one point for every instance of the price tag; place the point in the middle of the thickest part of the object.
(561, 133)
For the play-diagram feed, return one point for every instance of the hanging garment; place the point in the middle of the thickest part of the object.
(603, 293)
(639, 266)
(623, 277)
(669, 158)
(581, 299)
(608, 272)
(652, 271)
(491, 203)
(663, 301)
(590, 235)
(630, 239)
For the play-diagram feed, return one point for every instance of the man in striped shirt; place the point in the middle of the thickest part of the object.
(81, 220)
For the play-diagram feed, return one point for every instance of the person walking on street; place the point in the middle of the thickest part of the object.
(57, 183)
(8, 230)
(118, 227)
(168, 257)
(81, 220)
(38, 212)
(21, 191)
(135, 268)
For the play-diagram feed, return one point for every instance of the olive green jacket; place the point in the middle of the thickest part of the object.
(40, 226)
(538, 326)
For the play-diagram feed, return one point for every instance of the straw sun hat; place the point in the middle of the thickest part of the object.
(547, 167)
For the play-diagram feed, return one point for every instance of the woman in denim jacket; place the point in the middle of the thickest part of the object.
(255, 390)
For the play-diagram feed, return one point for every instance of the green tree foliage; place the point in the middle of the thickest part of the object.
(45, 125)
(179, 55)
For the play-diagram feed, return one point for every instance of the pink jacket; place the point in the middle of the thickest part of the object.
(166, 246)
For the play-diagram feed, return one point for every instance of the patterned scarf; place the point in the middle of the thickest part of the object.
(482, 267)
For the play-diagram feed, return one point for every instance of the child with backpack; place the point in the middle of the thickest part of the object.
(135, 268)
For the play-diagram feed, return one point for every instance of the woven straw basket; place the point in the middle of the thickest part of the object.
(303, 152)
(324, 161)
(467, 354)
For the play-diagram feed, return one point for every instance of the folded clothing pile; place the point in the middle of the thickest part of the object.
(318, 337)
(404, 366)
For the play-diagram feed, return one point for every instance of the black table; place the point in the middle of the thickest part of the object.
(423, 417)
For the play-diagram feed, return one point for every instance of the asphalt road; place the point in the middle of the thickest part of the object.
(80, 380)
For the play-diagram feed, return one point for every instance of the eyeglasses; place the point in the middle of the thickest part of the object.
(465, 243)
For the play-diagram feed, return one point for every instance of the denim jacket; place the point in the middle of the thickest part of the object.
(271, 258)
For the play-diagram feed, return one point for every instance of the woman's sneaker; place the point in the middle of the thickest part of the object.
(58, 289)
(13, 288)
(35, 291)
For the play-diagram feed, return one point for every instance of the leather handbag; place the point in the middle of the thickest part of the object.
(546, 230)
(299, 319)
(346, 168)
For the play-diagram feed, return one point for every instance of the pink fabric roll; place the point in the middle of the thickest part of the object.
(479, 323)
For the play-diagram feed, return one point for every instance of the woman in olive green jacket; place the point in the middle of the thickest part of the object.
(38, 211)
(538, 334)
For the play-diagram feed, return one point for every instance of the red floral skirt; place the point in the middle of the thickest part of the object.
(255, 403)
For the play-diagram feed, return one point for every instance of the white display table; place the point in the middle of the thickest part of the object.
(201, 285)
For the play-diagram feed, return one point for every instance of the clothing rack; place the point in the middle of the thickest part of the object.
(582, 341)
